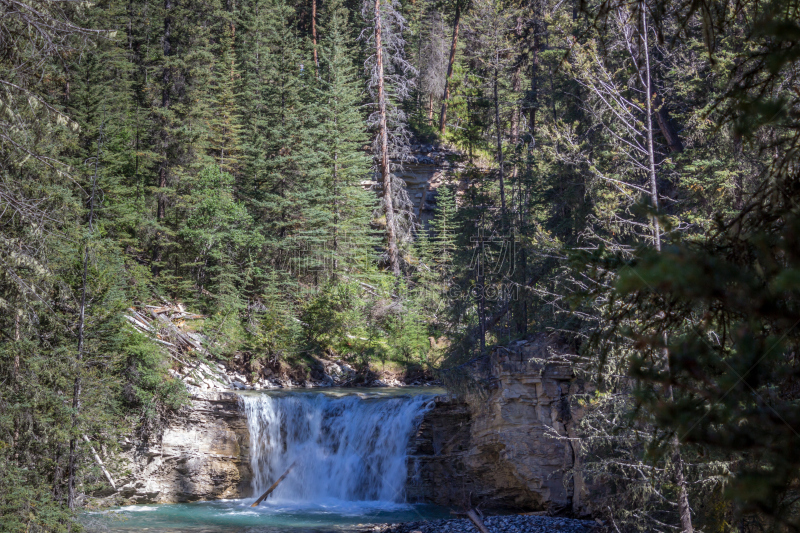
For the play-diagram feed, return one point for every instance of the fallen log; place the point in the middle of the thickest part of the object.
(274, 486)
(139, 325)
(135, 314)
(165, 343)
(180, 338)
(100, 462)
(477, 521)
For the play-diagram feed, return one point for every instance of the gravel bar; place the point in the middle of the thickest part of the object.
(495, 524)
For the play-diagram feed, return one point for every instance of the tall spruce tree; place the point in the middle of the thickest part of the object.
(178, 73)
(224, 128)
(339, 139)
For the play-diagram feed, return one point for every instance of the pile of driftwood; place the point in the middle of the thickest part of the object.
(165, 325)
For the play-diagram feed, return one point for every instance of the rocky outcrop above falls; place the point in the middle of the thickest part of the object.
(172, 327)
(202, 455)
(497, 448)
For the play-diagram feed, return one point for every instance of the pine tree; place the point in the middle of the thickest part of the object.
(216, 239)
(339, 139)
(178, 75)
(225, 128)
(95, 270)
(282, 179)
(278, 97)
(445, 228)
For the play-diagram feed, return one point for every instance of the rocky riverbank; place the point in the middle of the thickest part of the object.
(495, 524)
(203, 454)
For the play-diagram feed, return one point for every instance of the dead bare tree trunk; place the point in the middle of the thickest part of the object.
(651, 160)
(499, 140)
(383, 156)
(76, 390)
(684, 510)
(314, 32)
(451, 61)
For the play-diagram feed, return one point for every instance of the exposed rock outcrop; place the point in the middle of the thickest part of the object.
(429, 167)
(497, 448)
(203, 455)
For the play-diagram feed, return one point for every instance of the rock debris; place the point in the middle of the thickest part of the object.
(495, 524)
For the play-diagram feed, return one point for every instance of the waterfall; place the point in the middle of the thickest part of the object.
(345, 448)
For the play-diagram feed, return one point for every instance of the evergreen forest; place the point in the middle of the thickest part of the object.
(623, 176)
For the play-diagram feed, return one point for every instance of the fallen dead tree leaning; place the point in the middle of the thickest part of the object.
(274, 486)
(100, 462)
(472, 515)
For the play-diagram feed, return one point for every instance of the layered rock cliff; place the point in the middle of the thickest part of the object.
(505, 445)
(202, 455)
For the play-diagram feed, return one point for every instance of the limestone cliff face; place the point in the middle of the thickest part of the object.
(498, 448)
(203, 455)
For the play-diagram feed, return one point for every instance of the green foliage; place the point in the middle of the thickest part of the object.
(228, 165)
(217, 238)
(224, 128)
(26, 503)
(731, 351)
(445, 227)
(334, 321)
(148, 390)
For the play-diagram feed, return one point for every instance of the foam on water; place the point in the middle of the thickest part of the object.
(140, 508)
(236, 516)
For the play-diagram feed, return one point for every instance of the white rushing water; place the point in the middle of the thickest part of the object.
(345, 448)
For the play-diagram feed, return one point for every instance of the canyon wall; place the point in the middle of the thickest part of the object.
(202, 455)
(505, 445)
(423, 173)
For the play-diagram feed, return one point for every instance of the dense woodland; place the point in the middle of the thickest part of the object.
(627, 183)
